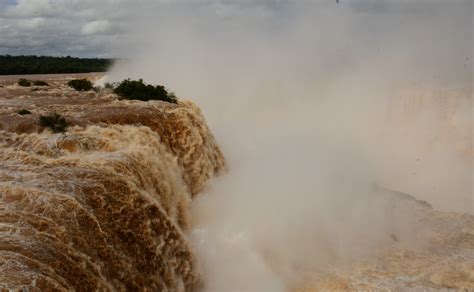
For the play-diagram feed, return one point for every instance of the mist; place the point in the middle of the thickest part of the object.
(314, 103)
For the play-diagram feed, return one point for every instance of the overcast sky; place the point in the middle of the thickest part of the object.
(96, 28)
(60, 27)
(90, 28)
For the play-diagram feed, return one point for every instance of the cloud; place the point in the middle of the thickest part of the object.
(30, 8)
(96, 27)
(61, 27)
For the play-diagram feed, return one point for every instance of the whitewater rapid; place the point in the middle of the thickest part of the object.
(104, 206)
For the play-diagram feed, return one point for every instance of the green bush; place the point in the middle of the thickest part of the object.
(24, 82)
(109, 85)
(80, 84)
(24, 112)
(133, 89)
(40, 83)
(55, 122)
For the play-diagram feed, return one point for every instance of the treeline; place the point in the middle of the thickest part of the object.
(12, 65)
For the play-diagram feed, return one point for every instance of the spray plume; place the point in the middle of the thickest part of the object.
(316, 106)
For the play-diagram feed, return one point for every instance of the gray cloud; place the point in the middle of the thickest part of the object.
(61, 27)
(75, 27)
(99, 28)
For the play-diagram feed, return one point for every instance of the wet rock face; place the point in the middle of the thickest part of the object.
(105, 205)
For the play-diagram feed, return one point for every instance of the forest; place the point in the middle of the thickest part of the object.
(13, 65)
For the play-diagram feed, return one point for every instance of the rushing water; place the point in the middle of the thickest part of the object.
(122, 200)
(105, 205)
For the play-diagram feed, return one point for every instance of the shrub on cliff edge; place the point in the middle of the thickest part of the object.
(24, 82)
(55, 122)
(137, 89)
(80, 84)
(23, 112)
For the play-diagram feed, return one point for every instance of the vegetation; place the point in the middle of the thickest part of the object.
(80, 84)
(24, 112)
(40, 83)
(109, 85)
(55, 122)
(133, 89)
(24, 82)
(11, 65)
